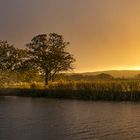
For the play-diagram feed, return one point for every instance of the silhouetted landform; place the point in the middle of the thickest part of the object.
(116, 73)
(104, 76)
(79, 77)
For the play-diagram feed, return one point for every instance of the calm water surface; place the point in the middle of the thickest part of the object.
(48, 119)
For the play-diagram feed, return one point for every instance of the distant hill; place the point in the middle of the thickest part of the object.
(104, 76)
(77, 77)
(115, 73)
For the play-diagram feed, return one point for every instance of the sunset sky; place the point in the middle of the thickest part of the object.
(103, 34)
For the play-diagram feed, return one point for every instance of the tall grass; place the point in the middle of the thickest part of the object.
(99, 90)
(94, 90)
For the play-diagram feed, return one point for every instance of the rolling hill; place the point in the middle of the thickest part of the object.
(115, 73)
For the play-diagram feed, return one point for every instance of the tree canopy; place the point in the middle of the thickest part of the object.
(10, 57)
(49, 55)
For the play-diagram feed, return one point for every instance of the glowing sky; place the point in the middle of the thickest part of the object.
(104, 34)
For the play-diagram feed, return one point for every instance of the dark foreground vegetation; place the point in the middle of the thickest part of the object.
(113, 90)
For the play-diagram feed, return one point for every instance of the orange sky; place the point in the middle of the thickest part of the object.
(104, 34)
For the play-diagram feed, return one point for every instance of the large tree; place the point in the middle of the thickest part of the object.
(49, 55)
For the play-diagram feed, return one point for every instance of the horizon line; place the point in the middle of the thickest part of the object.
(105, 70)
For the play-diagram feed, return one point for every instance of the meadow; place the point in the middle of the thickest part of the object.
(113, 90)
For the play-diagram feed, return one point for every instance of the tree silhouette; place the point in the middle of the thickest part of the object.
(48, 54)
(10, 57)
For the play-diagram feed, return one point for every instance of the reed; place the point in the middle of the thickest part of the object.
(115, 90)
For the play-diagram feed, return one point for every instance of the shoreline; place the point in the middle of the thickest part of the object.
(72, 94)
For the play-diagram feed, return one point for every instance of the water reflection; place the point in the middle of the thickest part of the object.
(48, 119)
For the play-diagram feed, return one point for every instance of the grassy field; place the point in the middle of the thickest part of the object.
(115, 90)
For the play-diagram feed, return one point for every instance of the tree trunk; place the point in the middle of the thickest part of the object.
(46, 79)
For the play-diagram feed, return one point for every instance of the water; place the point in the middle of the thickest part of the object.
(50, 119)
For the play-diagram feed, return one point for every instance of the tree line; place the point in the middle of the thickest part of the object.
(46, 54)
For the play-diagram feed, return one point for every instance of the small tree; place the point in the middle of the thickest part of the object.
(49, 55)
(10, 57)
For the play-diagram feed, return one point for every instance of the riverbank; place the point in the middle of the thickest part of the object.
(72, 94)
(112, 90)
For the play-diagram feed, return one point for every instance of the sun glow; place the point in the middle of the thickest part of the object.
(137, 68)
(127, 68)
